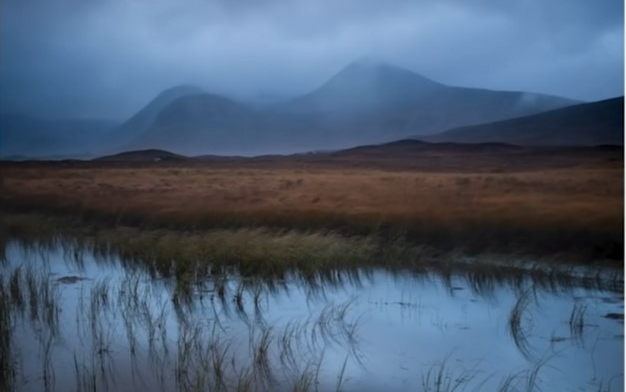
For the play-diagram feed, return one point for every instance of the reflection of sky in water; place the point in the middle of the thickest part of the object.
(405, 325)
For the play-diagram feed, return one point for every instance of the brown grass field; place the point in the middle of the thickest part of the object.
(556, 203)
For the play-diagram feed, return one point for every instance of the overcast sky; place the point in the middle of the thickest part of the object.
(107, 58)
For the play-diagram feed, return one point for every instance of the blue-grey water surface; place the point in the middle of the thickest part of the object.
(125, 330)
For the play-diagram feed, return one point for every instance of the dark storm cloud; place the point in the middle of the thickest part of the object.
(107, 58)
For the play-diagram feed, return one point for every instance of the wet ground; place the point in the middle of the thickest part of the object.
(79, 322)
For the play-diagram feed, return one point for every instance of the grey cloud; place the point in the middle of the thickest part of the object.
(108, 58)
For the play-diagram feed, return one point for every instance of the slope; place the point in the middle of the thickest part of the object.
(593, 123)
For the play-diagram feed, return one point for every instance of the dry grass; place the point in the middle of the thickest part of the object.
(564, 210)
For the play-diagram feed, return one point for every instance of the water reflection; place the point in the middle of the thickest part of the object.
(73, 319)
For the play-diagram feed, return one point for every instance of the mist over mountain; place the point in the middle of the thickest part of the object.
(366, 102)
(107, 59)
(143, 119)
(28, 136)
(193, 122)
(593, 123)
(366, 85)
(34, 137)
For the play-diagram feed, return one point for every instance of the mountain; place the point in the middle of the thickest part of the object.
(593, 123)
(143, 119)
(382, 102)
(33, 137)
(198, 123)
(366, 85)
(366, 102)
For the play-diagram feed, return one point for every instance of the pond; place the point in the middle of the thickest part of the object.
(78, 321)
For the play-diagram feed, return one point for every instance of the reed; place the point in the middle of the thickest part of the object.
(516, 327)
(577, 321)
(7, 359)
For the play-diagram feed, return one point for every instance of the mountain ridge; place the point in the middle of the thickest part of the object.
(365, 102)
(143, 119)
(593, 123)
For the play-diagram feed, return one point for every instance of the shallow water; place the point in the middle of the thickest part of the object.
(121, 329)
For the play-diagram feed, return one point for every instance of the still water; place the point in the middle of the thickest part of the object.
(81, 322)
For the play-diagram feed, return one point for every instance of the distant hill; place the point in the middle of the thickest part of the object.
(593, 123)
(401, 155)
(33, 137)
(395, 102)
(198, 123)
(143, 119)
(409, 147)
(366, 102)
(143, 156)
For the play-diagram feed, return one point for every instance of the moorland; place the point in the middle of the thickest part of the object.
(552, 202)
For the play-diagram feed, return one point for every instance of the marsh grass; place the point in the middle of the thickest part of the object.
(85, 378)
(572, 212)
(341, 376)
(15, 287)
(577, 321)
(439, 378)
(304, 383)
(518, 322)
(202, 354)
(193, 256)
(7, 358)
(262, 355)
(37, 290)
(206, 356)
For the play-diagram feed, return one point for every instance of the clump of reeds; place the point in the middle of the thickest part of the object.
(7, 367)
(15, 290)
(439, 378)
(516, 327)
(577, 321)
(190, 255)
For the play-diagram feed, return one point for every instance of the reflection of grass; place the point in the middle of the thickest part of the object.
(304, 383)
(200, 354)
(36, 290)
(42, 297)
(342, 374)
(7, 368)
(577, 321)
(516, 327)
(16, 289)
(252, 251)
(439, 378)
(526, 380)
(193, 255)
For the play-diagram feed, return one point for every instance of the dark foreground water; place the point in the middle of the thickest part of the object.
(81, 323)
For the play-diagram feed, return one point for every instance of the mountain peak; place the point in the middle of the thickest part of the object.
(369, 67)
(369, 82)
(179, 91)
(381, 76)
(367, 62)
(199, 107)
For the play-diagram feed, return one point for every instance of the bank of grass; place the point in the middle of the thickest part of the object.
(573, 213)
(192, 255)
(253, 251)
(297, 232)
